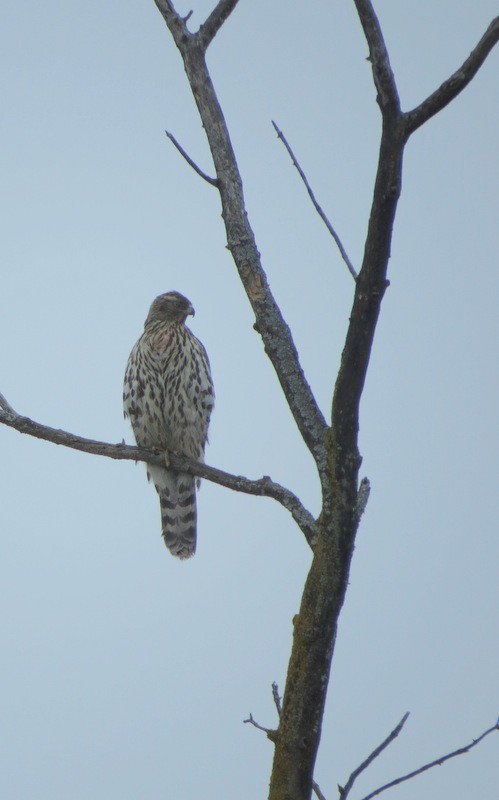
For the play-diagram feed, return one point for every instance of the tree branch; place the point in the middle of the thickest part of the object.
(276, 698)
(198, 170)
(270, 324)
(5, 406)
(345, 790)
(334, 448)
(456, 83)
(176, 23)
(327, 581)
(436, 763)
(214, 22)
(272, 734)
(378, 55)
(362, 498)
(317, 790)
(317, 207)
(207, 31)
(263, 487)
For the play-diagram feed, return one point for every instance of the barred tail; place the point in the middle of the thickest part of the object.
(177, 499)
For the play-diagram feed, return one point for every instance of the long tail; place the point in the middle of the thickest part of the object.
(177, 497)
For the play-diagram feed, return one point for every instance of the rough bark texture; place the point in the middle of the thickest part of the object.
(324, 593)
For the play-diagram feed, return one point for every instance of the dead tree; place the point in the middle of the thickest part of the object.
(332, 442)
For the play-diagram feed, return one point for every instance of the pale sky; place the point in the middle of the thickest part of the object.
(126, 674)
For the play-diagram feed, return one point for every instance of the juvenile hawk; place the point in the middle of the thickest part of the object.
(168, 395)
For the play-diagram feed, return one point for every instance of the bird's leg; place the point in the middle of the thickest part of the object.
(161, 451)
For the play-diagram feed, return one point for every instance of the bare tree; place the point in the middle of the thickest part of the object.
(333, 443)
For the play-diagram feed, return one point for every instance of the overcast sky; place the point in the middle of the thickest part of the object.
(126, 674)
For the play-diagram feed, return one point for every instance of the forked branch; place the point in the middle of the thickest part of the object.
(334, 448)
(270, 324)
(214, 22)
(272, 734)
(345, 790)
(436, 763)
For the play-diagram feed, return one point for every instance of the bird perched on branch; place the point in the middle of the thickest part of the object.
(168, 396)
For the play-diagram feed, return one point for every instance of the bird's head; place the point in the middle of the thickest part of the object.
(170, 307)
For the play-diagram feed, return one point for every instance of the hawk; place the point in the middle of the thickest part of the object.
(168, 396)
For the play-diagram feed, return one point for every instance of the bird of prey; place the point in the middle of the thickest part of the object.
(168, 396)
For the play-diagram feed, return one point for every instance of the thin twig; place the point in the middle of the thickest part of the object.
(317, 207)
(437, 762)
(345, 790)
(317, 790)
(198, 170)
(263, 487)
(362, 498)
(277, 699)
(271, 734)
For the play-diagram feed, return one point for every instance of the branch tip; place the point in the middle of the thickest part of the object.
(384, 79)
(198, 170)
(362, 498)
(270, 732)
(455, 84)
(371, 757)
(436, 763)
(316, 205)
(276, 698)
